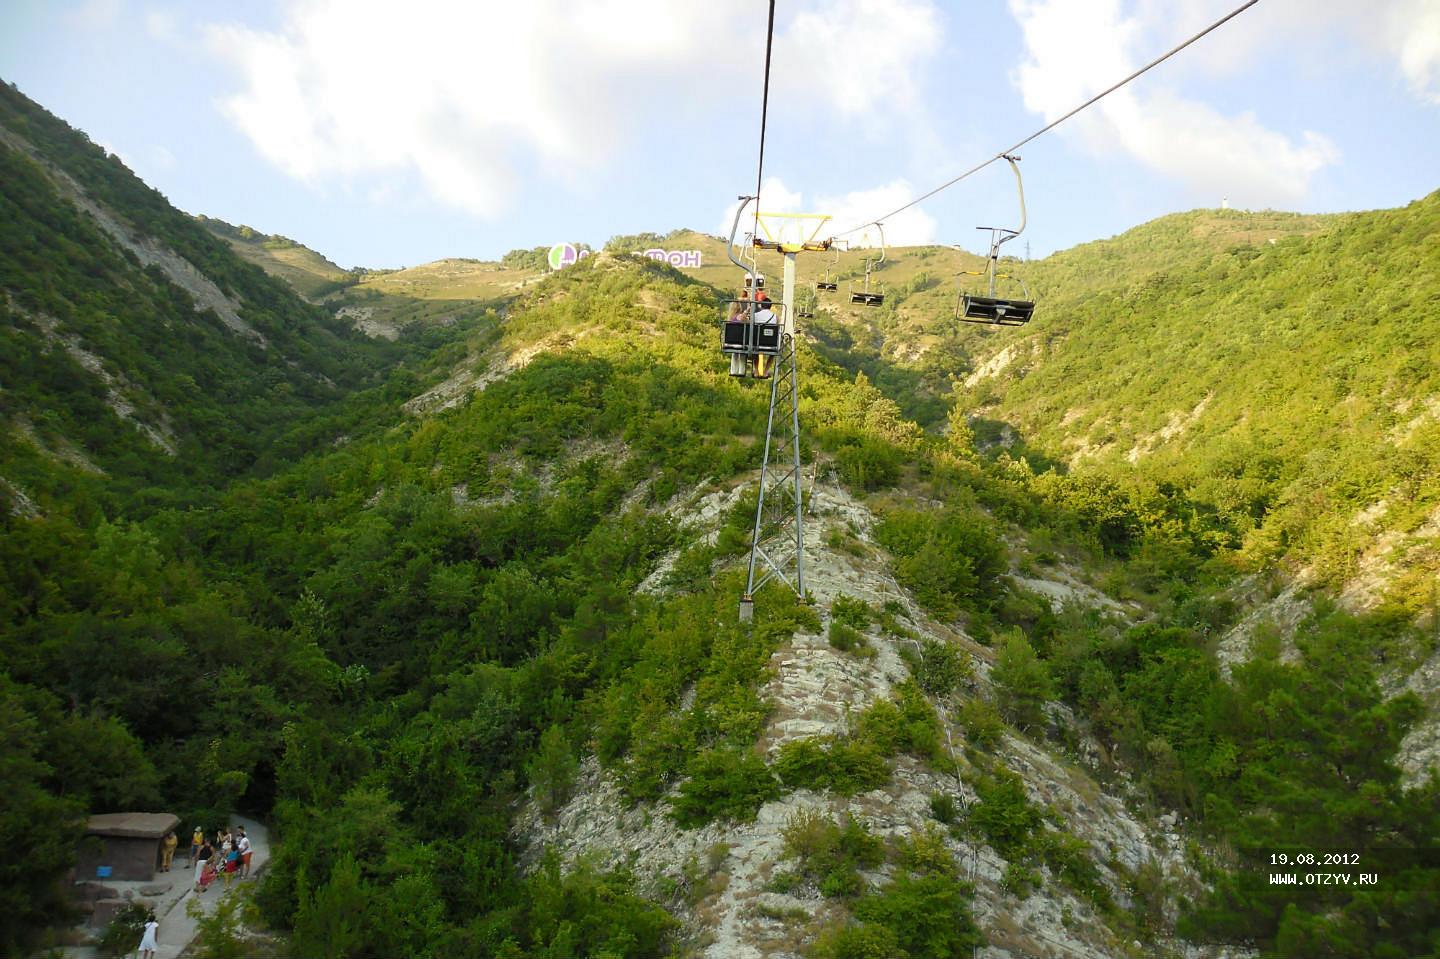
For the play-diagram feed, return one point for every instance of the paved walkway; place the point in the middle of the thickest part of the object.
(177, 928)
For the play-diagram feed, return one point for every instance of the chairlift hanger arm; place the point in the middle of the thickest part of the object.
(735, 229)
(1020, 188)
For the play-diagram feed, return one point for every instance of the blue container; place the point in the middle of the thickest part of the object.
(102, 872)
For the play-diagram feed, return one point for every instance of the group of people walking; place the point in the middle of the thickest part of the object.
(227, 854)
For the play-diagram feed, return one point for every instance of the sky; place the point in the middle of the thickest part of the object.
(389, 134)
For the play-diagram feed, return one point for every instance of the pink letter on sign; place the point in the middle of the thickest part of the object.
(692, 258)
(656, 254)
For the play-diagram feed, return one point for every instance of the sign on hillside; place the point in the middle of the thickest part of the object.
(564, 254)
(675, 257)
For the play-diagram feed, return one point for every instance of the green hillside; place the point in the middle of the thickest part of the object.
(308, 272)
(1282, 371)
(439, 647)
(139, 351)
(1277, 368)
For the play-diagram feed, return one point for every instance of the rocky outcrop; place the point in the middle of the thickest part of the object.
(148, 250)
(723, 872)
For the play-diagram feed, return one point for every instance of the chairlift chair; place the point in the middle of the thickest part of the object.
(742, 335)
(989, 308)
(868, 297)
(751, 346)
(827, 282)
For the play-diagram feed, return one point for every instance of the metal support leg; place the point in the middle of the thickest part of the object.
(777, 541)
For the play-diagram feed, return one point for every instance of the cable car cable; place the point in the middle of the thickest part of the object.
(1050, 126)
(764, 109)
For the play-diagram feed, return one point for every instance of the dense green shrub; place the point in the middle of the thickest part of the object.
(1004, 814)
(952, 561)
(848, 639)
(906, 724)
(923, 912)
(843, 765)
(727, 783)
(938, 667)
(982, 722)
(853, 612)
(868, 464)
(870, 941)
(552, 769)
(1072, 861)
(587, 912)
(830, 855)
(1022, 682)
(944, 808)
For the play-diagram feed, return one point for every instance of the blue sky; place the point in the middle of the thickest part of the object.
(385, 135)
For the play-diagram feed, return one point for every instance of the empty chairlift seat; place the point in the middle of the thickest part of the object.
(867, 299)
(996, 310)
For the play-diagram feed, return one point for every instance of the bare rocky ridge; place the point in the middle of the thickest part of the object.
(120, 394)
(21, 505)
(815, 689)
(149, 251)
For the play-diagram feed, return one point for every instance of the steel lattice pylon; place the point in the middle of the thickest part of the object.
(777, 543)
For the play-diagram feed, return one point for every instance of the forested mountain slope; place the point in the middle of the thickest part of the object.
(139, 351)
(467, 641)
(1283, 371)
(1290, 383)
(409, 638)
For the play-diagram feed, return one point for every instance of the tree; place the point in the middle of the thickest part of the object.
(1022, 681)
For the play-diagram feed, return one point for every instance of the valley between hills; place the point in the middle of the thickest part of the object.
(1104, 613)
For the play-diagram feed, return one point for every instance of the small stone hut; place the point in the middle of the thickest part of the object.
(128, 846)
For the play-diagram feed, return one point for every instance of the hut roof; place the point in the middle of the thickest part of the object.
(132, 825)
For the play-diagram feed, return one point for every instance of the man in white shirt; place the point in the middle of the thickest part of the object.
(242, 846)
(765, 315)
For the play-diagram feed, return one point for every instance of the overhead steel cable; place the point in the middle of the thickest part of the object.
(764, 109)
(1052, 125)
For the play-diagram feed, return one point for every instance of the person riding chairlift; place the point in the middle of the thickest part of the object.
(763, 314)
(739, 313)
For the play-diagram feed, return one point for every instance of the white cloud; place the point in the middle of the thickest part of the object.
(775, 197)
(162, 25)
(1076, 48)
(466, 95)
(1411, 29)
(859, 56)
(94, 14)
(913, 227)
(1405, 34)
